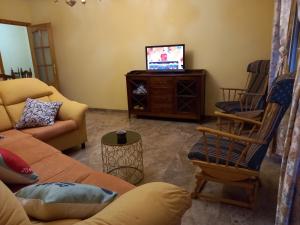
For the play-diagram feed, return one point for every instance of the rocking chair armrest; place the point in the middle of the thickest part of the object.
(250, 94)
(237, 118)
(229, 135)
(233, 89)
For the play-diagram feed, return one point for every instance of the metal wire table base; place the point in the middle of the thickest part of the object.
(124, 161)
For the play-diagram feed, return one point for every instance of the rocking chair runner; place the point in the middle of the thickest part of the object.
(229, 157)
(253, 96)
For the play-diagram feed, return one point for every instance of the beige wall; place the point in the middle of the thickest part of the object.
(98, 43)
(19, 10)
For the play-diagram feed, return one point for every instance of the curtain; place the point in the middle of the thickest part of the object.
(284, 16)
(288, 194)
(288, 140)
(282, 30)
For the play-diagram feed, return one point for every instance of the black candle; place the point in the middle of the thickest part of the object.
(121, 136)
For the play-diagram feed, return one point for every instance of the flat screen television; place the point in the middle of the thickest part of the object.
(165, 57)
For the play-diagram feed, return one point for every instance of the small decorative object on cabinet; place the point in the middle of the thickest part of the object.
(179, 95)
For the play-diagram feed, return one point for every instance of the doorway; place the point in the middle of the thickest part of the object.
(1, 65)
(15, 49)
(28, 47)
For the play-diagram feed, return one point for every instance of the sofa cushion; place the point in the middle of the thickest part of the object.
(11, 211)
(25, 146)
(56, 222)
(53, 201)
(38, 113)
(149, 204)
(5, 123)
(16, 91)
(49, 132)
(68, 175)
(15, 111)
(15, 170)
(108, 181)
(58, 168)
(53, 166)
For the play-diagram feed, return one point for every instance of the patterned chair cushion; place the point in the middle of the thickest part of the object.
(198, 151)
(38, 113)
(282, 91)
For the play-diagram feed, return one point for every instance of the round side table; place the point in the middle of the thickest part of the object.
(123, 160)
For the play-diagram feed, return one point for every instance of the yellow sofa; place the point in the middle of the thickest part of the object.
(150, 204)
(67, 132)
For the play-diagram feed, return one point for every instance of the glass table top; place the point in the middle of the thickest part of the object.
(112, 139)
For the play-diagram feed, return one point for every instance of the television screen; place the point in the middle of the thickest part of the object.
(165, 58)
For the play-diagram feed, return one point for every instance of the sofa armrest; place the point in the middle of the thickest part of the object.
(70, 110)
(150, 204)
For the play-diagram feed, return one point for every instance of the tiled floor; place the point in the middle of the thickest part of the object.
(166, 144)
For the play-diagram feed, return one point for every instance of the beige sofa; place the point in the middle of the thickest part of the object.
(67, 132)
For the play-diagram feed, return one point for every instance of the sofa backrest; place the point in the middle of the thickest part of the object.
(15, 92)
(5, 123)
(11, 211)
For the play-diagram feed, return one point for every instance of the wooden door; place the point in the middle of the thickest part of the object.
(42, 48)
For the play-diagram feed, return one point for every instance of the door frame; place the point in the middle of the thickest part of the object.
(14, 22)
(1, 65)
(30, 38)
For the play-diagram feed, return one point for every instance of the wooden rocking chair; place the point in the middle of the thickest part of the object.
(235, 159)
(252, 97)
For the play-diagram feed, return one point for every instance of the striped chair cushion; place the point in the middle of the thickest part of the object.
(198, 151)
(259, 76)
(272, 118)
(259, 67)
(278, 100)
(229, 107)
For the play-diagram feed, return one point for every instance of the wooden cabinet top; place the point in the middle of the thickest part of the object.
(196, 72)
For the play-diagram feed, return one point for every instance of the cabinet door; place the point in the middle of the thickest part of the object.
(187, 96)
(138, 94)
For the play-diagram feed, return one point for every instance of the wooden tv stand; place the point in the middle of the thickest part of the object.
(179, 95)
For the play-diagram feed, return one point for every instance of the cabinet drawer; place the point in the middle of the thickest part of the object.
(161, 82)
(162, 107)
(168, 91)
(168, 99)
